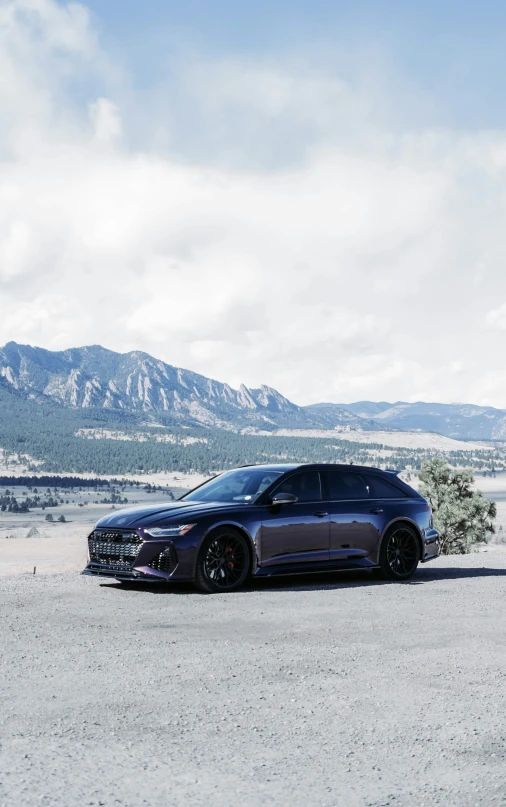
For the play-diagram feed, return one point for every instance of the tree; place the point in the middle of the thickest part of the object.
(49, 517)
(462, 515)
(61, 518)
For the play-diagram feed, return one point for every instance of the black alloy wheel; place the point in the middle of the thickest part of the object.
(400, 553)
(223, 562)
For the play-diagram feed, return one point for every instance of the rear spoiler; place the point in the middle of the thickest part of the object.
(393, 471)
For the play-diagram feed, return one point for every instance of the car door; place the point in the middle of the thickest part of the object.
(356, 521)
(297, 532)
(386, 499)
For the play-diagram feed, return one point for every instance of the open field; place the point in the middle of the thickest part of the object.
(139, 436)
(61, 547)
(427, 440)
(334, 691)
(164, 478)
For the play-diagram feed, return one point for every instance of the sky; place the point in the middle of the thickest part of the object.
(310, 195)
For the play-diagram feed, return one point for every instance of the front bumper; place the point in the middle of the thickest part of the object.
(431, 545)
(97, 570)
(130, 555)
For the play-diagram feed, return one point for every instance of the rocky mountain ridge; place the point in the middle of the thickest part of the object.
(96, 377)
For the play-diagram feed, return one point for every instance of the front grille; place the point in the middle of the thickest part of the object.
(166, 561)
(117, 550)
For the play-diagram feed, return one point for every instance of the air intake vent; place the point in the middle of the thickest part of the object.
(166, 561)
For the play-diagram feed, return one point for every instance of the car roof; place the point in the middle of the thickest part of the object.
(316, 466)
(283, 467)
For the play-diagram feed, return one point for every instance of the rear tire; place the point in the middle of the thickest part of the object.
(223, 562)
(399, 553)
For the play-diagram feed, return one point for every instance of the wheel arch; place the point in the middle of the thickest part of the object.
(253, 560)
(402, 520)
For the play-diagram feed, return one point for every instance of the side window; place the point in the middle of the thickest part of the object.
(345, 485)
(379, 488)
(264, 483)
(305, 485)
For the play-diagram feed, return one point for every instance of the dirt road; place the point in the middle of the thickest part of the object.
(318, 691)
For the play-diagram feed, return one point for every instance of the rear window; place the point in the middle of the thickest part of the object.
(379, 488)
(348, 485)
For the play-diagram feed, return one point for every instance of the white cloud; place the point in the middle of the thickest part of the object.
(50, 25)
(106, 120)
(497, 318)
(47, 318)
(284, 235)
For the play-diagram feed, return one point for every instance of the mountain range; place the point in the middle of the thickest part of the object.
(94, 377)
(460, 421)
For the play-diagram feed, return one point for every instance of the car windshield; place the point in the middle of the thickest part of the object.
(243, 485)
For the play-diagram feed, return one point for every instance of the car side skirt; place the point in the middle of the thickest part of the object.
(312, 568)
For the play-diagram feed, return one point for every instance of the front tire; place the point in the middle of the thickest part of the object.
(223, 562)
(399, 553)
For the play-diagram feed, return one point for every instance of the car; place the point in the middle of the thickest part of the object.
(265, 520)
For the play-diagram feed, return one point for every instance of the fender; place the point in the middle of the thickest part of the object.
(240, 528)
(403, 520)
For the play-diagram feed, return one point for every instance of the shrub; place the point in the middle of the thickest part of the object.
(462, 515)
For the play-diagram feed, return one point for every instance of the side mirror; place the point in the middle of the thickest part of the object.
(284, 498)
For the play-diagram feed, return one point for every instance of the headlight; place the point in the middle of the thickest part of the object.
(169, 532)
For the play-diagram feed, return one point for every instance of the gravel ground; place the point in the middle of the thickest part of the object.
(329, 690)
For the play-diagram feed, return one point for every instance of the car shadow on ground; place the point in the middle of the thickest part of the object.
(319, 581)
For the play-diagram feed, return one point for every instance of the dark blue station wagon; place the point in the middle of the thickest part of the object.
(270, 520)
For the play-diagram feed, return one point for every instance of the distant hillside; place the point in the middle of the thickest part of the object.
(89, 410)
(41, 436)
(93, 377)
(461, 421)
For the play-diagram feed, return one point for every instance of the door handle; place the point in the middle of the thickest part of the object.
(376, 510)
(320, 514)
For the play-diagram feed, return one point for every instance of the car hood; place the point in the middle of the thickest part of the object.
(148, 515)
